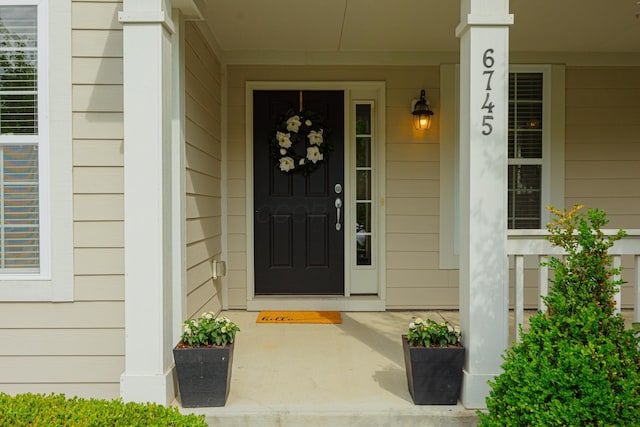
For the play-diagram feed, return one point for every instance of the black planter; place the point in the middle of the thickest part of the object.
(204, 375)
(434, 374)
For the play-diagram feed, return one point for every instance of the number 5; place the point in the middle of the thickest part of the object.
(488, 128)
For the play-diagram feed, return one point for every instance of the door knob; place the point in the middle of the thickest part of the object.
(338, 206)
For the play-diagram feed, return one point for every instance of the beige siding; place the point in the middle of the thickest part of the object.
(603, 147)
(101, 152)
(203, 156)
(58, 369)
(78, 348)
(98, 183)
(603, 142)
(58, 342)
(98, 98)
(94, 43)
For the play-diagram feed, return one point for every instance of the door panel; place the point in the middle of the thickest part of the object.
(297, 248)
(281, 230)
(317, 242)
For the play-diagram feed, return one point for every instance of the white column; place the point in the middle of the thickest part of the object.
(149, 319)
(484, 291)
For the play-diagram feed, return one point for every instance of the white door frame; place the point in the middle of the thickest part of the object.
(353, 91)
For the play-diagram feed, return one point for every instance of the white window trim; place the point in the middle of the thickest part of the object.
(553, 154)
(55, 280)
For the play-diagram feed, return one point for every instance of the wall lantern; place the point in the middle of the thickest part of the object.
(421, 112)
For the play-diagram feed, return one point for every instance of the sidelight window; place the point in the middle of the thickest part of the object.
(364, 171)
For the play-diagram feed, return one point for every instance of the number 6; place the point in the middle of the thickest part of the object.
(487, 59)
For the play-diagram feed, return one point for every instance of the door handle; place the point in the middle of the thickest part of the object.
(338, 206)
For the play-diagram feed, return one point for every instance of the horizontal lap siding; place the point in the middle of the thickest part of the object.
(414, 279)
(98, 186)
(77, 348)
(412, 171)
(203, 172)
(603, 147)
(603, 142)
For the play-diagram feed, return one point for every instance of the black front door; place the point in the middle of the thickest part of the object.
(298, 234)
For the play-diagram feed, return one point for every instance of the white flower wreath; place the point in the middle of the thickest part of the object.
(295, 127)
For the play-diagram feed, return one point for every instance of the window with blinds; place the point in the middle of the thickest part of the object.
(525, 150)
(19, 140)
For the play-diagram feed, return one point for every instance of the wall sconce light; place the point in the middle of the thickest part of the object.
(421, 112)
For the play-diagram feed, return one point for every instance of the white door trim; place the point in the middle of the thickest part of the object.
(347, 302)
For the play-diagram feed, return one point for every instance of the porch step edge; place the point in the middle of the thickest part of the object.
(422, 417)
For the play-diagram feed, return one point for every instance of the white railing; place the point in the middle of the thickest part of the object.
(523, 243)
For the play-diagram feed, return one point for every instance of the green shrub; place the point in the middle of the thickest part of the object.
(577, 365)
(56, 410)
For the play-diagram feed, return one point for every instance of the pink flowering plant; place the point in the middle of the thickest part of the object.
(429, 333)
(208, 330)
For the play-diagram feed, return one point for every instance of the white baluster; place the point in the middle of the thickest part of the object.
(543, 281)
(636, 307)
(518, 312)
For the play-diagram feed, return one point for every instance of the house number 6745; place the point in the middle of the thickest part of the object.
(488, 62)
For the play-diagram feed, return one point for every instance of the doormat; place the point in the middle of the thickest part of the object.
(299, 317)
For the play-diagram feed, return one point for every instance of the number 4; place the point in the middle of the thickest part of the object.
(488, 105)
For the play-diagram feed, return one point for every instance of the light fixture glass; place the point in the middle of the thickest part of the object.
(422, 113)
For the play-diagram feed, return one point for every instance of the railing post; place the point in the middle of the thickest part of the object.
(518, 309)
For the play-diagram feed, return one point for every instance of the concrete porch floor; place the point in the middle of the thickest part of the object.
(350, 374)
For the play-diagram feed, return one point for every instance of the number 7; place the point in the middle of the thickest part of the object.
(490, 73)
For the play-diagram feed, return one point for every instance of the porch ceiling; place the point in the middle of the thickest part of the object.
(379, 26)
